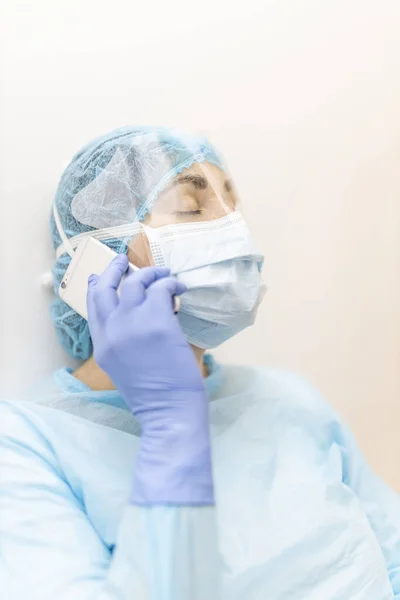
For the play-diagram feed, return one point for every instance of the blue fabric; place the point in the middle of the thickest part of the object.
(182, 150)
(299, 513)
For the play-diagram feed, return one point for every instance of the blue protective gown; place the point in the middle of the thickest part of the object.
(299, 515)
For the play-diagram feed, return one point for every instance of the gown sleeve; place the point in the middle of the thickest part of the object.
(50, 549)
(381, 504)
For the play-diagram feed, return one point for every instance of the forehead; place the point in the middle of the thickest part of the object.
(208, 170)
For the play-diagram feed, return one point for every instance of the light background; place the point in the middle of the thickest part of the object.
(302, 97)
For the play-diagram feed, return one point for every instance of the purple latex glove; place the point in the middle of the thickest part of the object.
(139, 343)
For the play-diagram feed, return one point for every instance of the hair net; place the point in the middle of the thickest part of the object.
(112, 179)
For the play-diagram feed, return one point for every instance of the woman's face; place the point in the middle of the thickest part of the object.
(203, 192)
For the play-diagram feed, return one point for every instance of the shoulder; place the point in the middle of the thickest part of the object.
(14, 415)
(286, 395)
(18, 413)
(24, 430)
(284, 387)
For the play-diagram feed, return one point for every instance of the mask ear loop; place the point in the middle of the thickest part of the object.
(123, 232)
(46, 278)
(66, 245)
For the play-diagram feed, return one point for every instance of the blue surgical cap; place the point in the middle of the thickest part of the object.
(142, 181)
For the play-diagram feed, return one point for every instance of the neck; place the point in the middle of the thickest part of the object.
(96, 379)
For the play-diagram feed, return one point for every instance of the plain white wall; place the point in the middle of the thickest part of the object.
(303, 98)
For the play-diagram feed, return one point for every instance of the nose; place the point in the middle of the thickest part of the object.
(219, 208)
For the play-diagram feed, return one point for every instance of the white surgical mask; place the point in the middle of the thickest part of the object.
(220, 266)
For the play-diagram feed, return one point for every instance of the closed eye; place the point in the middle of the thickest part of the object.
(189, 213)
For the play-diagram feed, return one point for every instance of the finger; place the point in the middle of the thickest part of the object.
(105, 291)
(133, 288)
(91, 307)
(162, 292)
(112, 275)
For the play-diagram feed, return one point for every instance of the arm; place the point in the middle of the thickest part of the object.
(139, 343)
(381, 505)
(166, 548)
(49, 549)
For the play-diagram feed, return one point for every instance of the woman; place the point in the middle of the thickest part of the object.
(108, 493)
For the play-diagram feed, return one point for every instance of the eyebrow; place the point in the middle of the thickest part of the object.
(199, 182)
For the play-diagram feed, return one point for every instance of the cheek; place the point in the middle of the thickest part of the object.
(139, 252)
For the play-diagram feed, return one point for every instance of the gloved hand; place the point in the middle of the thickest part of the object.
(139, 343)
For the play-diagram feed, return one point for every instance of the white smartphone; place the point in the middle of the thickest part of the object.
(90, 257)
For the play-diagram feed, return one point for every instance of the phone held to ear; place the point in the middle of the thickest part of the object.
(91, 257)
